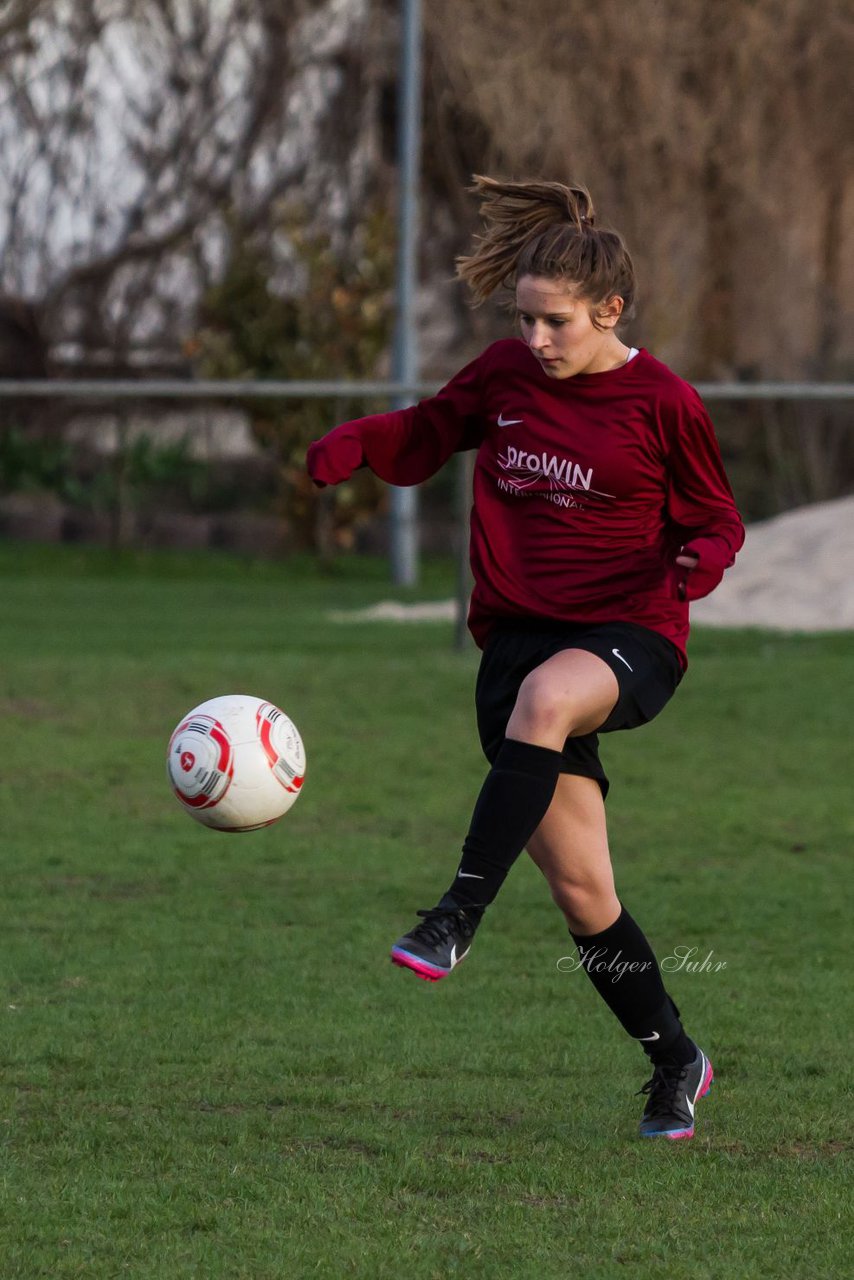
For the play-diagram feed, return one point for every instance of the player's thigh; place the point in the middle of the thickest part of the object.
(572, 692)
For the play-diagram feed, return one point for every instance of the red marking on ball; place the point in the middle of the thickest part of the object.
(265, 730)
(220, 737)
(187, 760)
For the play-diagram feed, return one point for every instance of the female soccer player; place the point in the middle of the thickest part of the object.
(601, 509)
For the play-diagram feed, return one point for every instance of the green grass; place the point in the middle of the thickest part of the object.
(211, 1070)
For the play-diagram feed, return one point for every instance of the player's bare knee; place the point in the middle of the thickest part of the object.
(539, 713)
(584, 906)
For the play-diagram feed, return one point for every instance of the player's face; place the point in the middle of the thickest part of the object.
(557, 326)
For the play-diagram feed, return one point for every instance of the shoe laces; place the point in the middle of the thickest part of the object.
(663, 1088)
(440, 924)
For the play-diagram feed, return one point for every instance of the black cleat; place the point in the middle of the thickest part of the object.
(437, 946)
(673, 1092)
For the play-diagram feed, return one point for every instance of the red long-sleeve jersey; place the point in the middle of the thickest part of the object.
(585, 488)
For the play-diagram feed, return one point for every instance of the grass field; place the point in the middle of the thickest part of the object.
(210, 1068)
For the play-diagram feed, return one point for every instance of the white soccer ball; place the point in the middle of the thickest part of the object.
(236, 763)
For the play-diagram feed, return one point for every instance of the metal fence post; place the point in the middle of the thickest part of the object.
(465, 472)
(404, 502)
(121, 512)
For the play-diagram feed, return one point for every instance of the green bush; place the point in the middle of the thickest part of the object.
(335, 327)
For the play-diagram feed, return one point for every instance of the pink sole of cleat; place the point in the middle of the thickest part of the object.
(417, 967)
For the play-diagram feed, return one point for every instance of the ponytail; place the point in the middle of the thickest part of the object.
(545, 229)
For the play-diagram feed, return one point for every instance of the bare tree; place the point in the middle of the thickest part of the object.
(135, 135)
(716, 136)
(139, 137)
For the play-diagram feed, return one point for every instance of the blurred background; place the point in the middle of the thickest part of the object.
(208, 189)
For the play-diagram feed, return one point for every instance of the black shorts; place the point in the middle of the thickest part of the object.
(647, 666)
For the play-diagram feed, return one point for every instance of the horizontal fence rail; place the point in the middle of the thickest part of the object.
(127, 391)
(202, 389)
(219, 389)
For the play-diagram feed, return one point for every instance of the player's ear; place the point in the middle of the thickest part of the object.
(608, 312)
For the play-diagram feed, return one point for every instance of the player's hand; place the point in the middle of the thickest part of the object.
(688, 560)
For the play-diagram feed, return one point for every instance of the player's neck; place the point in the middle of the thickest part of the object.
(612, 355)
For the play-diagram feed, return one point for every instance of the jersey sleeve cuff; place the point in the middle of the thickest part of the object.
(712, 561)
(335, 457)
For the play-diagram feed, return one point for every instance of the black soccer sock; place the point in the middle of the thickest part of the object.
(512, 803)
(622, 967)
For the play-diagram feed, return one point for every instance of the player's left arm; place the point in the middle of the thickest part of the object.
(700, 502)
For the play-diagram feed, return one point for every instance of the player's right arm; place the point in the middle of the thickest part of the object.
(404, 446)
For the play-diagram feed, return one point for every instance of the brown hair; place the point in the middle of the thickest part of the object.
(545, 229)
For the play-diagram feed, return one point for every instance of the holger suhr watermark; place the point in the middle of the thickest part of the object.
(680, 960)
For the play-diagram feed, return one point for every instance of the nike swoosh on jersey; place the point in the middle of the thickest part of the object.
(508, 422)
